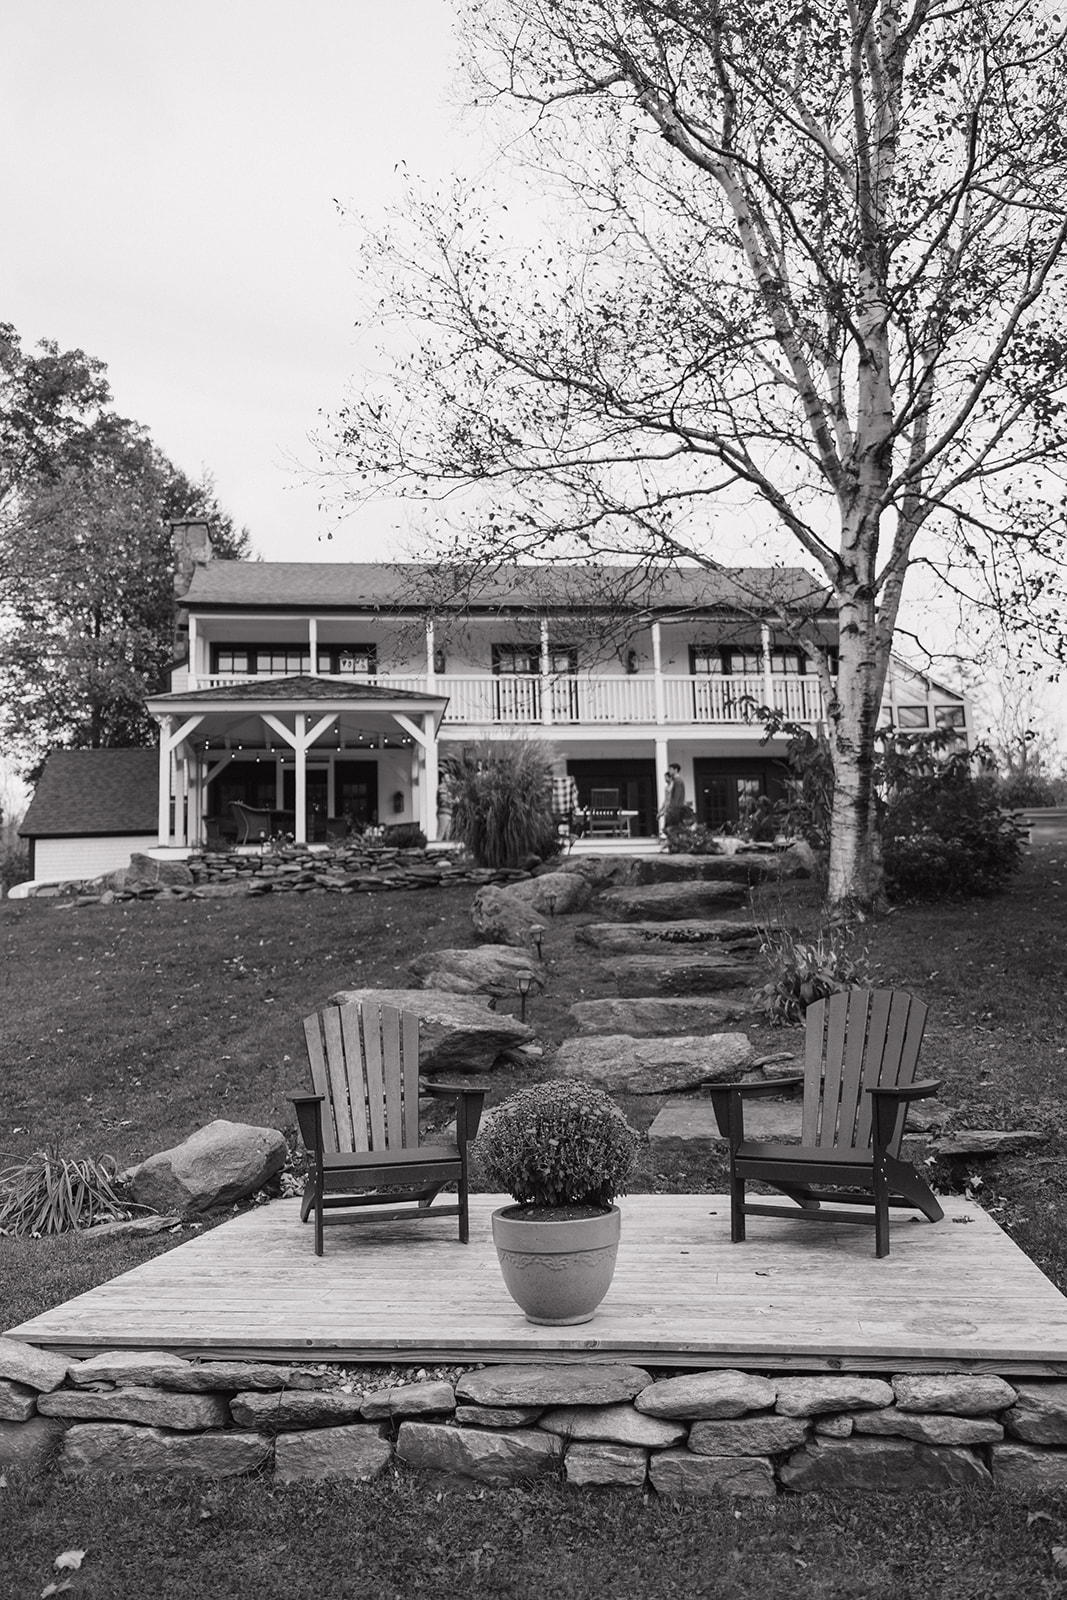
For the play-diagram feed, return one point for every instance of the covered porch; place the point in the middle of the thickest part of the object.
(301, 755)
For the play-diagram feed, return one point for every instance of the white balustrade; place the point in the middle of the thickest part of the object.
(587, 698)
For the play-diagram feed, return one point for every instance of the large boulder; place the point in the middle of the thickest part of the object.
(489, 969)
(623, 1065)
(552, 893)
(671, 902)
(499, 918)
(145, 872)
(505, 915)
(216, 1166)
(457, 1033)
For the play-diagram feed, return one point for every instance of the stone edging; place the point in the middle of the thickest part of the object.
(697, 1433)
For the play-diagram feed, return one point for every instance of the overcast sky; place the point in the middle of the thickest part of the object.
(167, 185)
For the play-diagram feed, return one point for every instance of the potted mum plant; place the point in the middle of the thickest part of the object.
(563, 1151)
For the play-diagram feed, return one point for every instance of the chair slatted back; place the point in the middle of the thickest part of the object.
(857, 1040)
(365, 1063)
(604, 799)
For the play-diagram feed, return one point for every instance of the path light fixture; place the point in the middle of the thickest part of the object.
(525, 985)
(537, 933)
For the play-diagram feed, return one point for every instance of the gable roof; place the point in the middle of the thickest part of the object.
(95, 792)
(419, 586)
(299, 687)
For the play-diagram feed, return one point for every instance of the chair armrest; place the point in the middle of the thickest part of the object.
(468, 1107)
(910, 1091)
(887, 1108)
(308, 1108)
(727, 1101)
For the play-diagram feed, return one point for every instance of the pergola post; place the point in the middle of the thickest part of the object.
(165, 725)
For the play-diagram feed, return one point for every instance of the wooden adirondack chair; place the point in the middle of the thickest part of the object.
(861, 1053)
(361, 1123)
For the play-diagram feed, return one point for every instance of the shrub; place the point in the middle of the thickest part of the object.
(503, 802)
(804, 970)
(50, 1193)
(404, 836)
(14, 865)
(555, 1144)
(944, 831)
(1031, 789)
(693, 839)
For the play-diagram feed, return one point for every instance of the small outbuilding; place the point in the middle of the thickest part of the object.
(90, 811)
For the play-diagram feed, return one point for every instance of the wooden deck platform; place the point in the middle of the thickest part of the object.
(956, 1296)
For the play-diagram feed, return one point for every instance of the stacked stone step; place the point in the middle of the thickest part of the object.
(730, 1432)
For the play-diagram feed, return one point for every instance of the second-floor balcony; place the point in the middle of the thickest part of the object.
(590, 699)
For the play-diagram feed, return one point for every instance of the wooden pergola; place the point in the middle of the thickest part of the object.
(203, 730)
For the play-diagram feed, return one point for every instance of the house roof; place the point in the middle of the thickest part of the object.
(418, 586)
(84, 792)
(298, 688)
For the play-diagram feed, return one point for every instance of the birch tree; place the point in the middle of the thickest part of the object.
(812, 263)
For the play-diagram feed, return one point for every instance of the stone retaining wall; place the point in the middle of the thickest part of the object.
(222, 874)
(698, 1433)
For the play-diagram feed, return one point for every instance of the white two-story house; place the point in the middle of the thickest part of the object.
(327, 692)
(324, 696)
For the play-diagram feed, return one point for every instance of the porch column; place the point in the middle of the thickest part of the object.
(300, 824)
(194, 651)
(431, 775)
(657, 679)
(663, 755)
(546, 668)
(765, 661)
(170, 739)
(166, 724)
(313, 645)
(181, 798)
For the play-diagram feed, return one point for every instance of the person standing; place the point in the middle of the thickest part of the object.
(674, 799)
(446, 803)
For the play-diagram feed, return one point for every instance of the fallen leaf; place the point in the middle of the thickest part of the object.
(1059, 1555)
(70, 1560)
(1037, 1516)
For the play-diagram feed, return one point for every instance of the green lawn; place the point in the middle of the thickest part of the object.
(124, 1027)
(403, 1540)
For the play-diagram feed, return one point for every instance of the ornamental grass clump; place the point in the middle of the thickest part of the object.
(804, 970)
(555, 1144)
(49, 1193)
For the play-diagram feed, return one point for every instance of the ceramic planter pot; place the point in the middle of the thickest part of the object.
(556, 1269)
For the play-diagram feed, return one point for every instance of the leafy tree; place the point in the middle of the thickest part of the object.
(809, 260)
(88, 606)
(48, 403)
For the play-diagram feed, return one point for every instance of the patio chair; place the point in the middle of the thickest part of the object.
(253, 822)
(861, 1053)
(361, 1123)
(605, 817)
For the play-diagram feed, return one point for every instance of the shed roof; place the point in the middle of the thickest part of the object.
(85, 792)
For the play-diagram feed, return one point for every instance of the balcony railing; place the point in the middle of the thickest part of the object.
(588, 700)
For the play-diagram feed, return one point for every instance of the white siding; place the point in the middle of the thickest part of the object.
(56, 859)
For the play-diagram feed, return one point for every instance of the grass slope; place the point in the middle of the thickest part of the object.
(124, 1027)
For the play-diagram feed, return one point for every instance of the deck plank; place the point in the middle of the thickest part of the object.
(793, 1296)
